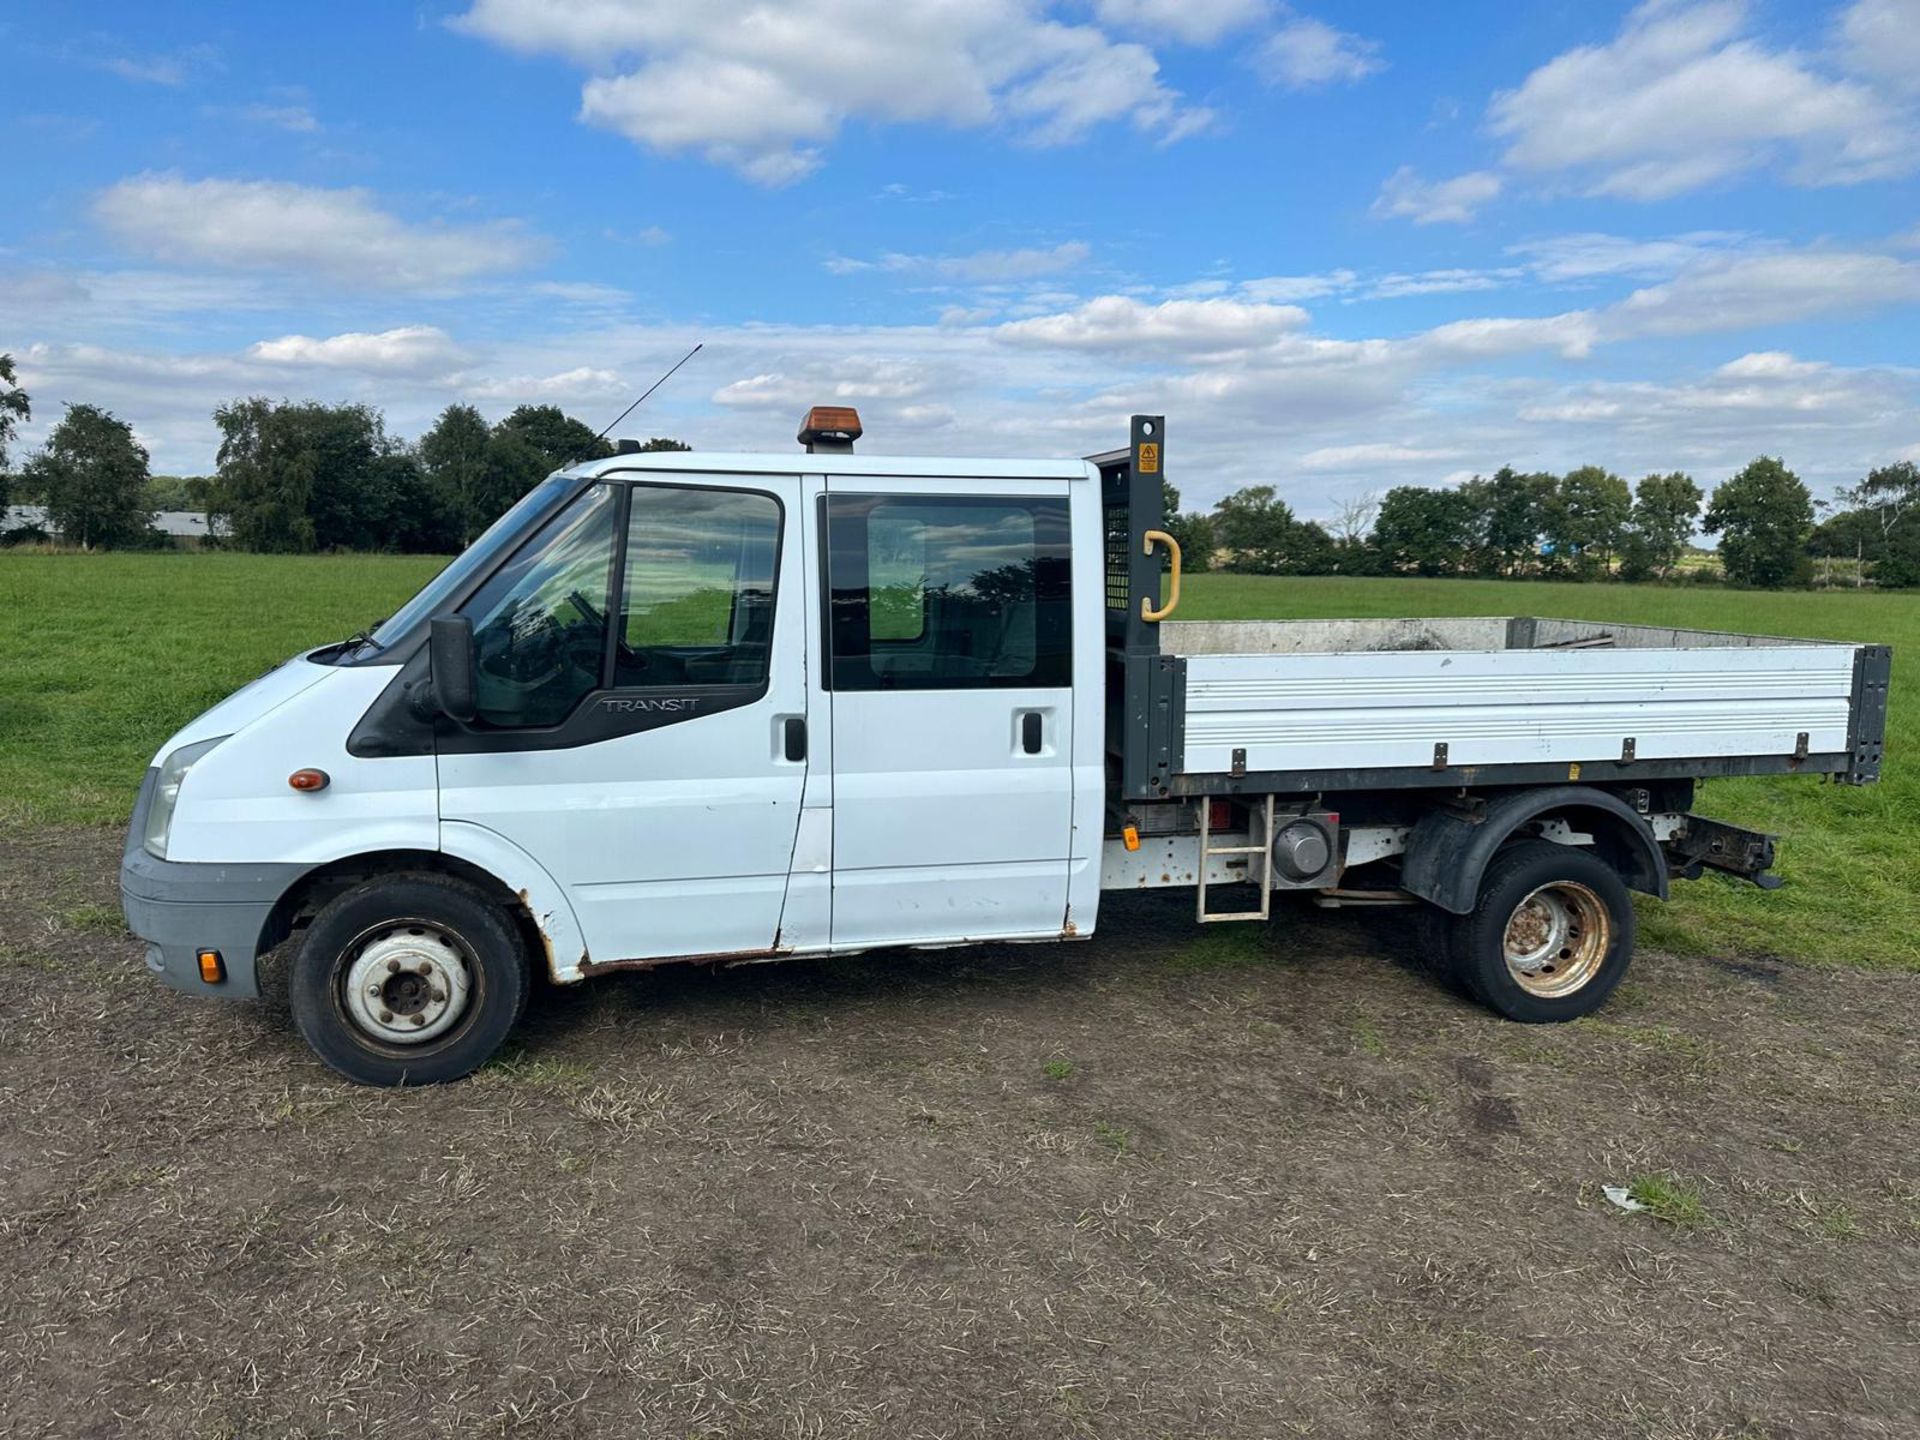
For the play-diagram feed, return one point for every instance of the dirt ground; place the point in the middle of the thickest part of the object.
(1163, 1183)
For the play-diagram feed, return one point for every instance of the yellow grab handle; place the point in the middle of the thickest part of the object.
(1147, 612)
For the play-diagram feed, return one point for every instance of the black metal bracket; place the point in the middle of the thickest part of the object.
(1867, 719)
(1715, 845)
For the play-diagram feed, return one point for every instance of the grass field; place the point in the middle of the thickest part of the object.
(101, 657)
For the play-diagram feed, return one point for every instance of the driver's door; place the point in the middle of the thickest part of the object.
(642, 708)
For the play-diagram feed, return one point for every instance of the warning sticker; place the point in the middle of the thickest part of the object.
(1149, 457)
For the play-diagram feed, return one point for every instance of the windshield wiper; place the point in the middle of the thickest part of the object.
(353, 643)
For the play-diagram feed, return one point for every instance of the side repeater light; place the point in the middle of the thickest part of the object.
(212, 969)
(308, 780)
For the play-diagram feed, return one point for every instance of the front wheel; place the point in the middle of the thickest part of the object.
(1549, 937)
(408, 980)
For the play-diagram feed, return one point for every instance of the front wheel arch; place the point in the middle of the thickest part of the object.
(311, 894)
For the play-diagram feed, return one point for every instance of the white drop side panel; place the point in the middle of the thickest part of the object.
(1375, 710)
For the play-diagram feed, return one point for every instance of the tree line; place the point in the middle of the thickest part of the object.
(295, 477)
(1588, 524)
(300, 477)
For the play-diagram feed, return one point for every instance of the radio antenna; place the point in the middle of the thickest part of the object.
(650, 389)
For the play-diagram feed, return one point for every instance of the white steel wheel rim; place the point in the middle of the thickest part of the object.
(1557, 938)
(409, 983)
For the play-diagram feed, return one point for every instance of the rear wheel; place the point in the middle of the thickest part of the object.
(409, 980)
(1550, 936)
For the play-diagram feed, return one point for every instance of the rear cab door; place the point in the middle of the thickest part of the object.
(950, 627)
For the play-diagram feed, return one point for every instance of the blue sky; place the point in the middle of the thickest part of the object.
(1341, 246)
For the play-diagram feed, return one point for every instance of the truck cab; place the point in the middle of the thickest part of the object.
(733, 708)
(672, 706)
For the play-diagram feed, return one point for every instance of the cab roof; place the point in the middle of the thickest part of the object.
(796, 462)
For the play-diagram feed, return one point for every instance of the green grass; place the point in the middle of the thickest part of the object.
(100, 919)
(1673, 1200)
(1222, 947)
(103, 656)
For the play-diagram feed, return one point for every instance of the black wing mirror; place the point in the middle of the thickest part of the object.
(450, 653)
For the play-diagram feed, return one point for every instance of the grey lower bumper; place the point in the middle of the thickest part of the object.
(182, 908)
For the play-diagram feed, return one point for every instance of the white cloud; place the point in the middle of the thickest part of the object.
(1591, 256)
(981, 267)
(1282, 289)
(1404, 195)
(173, 68)
(1771, 365)
(411, 349)
(853, 380)
(341, 236)
(152, 70)
(122, 298)
(1772, 289)
(1881, 38)
(1371, 455)
(1438, 282)
(583, 382)
(1305, 54)
(736, 114)
(1197, 22)
(1118, 323)
(763, 89)
(1682, 98)
(1572, 335)
(583, 292)
(1768, 401)
(1570, 412)
(297, 118)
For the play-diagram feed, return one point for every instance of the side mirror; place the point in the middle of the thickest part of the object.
(450, 654)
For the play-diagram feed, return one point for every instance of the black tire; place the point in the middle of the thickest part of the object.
(1579, 922)
(1434, 936)
(449, 914)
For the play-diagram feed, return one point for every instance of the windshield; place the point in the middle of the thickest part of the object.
(500, 536)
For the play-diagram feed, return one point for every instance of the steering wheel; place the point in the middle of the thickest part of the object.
(533, 653)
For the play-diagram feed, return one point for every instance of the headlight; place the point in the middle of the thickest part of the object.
(173, 770)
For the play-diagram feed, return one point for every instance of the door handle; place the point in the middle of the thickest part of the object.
(1030, 732)
(795, 738)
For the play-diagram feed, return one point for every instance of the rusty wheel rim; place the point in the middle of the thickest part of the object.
(1557, 938)
(408, 982)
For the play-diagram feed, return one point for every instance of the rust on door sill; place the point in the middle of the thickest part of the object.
(716, 957)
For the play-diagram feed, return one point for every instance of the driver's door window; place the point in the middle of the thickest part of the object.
(540, 624)
(697, 602)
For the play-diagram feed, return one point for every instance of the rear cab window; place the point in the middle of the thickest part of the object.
(948, 592)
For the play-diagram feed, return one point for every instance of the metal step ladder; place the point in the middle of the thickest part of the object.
(1209, 851)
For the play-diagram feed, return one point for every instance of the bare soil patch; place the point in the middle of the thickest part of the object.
(1220, 1183)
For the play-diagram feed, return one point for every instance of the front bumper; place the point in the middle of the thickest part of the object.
(182, 908)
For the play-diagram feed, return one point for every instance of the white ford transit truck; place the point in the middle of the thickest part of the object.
(733, 708)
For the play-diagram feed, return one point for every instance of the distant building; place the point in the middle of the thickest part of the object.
(185, 527)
